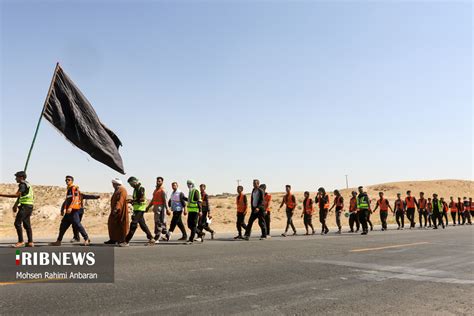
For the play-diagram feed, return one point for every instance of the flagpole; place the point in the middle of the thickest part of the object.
(41, 116)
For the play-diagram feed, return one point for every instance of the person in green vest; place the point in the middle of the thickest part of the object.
(139, 205)
(23, 208)
(363, 208)
(194, 210)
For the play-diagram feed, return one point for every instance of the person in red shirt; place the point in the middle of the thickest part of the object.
(160, 209)
(242, 205)
(307, 214)
(429, 210)
(267, 203)
(422, 212)
(353, 218)
(384, 206)
(290, 201)
(322, 199)
(453, 208)
(445, 210)
(399, 207)
(339, 204)
(460, 207)
(471, 207)
(410, 203)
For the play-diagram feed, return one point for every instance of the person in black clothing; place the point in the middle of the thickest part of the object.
(363, 207)
(23, 208)
(258, 211)
(437, 212)
(206, 214)
(139, 208)
(399, 207)
(339, 204)
(322, 199)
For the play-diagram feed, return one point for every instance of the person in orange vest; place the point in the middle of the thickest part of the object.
(399, 207)
(70, 212)
(267, 204)
(453, 208)
(353, 218)
(460, 208)
(76, 237)
(467, 212)
(307, 213)
(160, 210)
(290, 201)
(422, 212)
(411, 203)
(322, 199)
(241, 201)
(471, 207)
(445, 210)
(339, 204)
(384, 206)
(429, 210)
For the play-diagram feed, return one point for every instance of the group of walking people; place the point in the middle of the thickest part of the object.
(195, 205)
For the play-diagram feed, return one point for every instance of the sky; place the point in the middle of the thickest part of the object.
(289, 92)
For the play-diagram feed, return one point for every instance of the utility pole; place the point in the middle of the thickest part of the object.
(238, 182)
(347, 183)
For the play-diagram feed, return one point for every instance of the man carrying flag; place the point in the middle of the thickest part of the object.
(71, 213)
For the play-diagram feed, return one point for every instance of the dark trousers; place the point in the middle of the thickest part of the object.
(459, 217)
(138, 219)
(241, 223)
(430, 216)
(400, 218)
(422, 215)
(73, 219)
(467, 217)
(260, 215)
(289, 219)
(411, 216)
(23, 217)
(203, 225)
(437, 216)
(308, 221)
(383, 219)
(177, 220)
(322, 219)
(338, 219)
(354, 218)
(267, 221)
(363, 215)
(453, 216)
(75, 231)
(445, 216)
(369, 221)
(193, 218)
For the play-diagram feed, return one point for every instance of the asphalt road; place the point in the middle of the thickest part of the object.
(425, 272)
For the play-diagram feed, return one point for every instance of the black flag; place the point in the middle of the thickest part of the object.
(70, 112)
